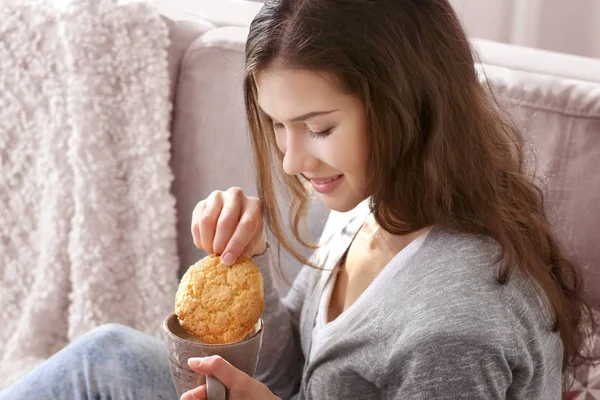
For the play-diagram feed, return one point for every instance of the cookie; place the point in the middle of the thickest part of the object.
(220, 304)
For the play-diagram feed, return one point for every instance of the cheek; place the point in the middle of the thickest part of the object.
(356, 152)
(348, 156)
(280, 140)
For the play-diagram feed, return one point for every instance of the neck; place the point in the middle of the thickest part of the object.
(379, 238)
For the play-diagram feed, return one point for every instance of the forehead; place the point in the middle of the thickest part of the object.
(290, 78)
(284, 90)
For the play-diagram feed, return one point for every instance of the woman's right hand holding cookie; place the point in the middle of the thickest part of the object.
(229, 223)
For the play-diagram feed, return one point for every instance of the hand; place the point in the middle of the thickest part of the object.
(230, 224)
(239, 385)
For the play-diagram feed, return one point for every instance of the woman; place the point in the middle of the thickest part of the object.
(439, 276)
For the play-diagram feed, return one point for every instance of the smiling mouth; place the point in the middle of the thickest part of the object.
(325, 180)
(322, 180)
(326, 186)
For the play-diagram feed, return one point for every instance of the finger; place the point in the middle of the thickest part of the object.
(198, 210)
(247, 227)
(198, 393)
(216, 366)
(256, 246)
(208, 220)
(228, 219)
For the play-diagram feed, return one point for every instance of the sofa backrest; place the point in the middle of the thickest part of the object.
(560, 120)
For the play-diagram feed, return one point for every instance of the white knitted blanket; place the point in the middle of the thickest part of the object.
(87, 221)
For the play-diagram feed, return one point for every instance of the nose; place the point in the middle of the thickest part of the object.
(297, 155)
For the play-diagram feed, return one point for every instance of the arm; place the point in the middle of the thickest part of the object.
(231, 224)
(281, 360)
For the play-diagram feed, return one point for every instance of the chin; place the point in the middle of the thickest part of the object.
(341, 203)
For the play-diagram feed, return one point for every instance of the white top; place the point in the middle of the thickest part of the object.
(324, 332)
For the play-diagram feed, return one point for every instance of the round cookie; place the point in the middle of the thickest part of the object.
(220, 304)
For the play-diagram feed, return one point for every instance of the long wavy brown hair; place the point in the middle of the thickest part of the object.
(440, 151)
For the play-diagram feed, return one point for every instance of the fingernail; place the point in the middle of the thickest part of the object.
(227, 259)
(195, 362)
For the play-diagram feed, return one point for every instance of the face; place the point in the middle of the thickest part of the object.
(320, 131)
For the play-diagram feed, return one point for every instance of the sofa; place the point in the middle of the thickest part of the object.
(554, 98)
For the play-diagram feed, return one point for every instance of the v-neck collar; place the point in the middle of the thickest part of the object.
(341, 243)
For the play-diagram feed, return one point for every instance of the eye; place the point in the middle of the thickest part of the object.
(321, 134)
(277, 125)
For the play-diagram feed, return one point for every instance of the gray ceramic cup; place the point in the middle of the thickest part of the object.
(180, 347)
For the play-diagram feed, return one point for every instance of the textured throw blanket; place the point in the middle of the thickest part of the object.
(87, 221)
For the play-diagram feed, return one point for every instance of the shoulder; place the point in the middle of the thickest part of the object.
(452, 301)
(459, 249)
(454, 268)
(465, 268)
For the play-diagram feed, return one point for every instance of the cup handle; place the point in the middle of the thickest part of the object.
(215, 390)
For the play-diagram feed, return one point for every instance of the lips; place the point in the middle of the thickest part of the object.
(325, 180)
(326, 185)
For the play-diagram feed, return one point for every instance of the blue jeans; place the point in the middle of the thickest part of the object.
(109, 362)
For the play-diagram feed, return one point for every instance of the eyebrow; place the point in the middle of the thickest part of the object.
(306, 116)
